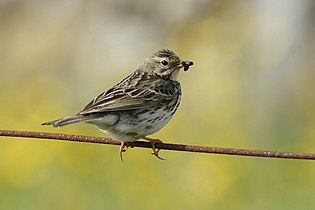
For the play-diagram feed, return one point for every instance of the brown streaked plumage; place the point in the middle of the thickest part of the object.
(139, 105)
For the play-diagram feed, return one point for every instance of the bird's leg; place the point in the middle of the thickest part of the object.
(123, 148)
(153, 142)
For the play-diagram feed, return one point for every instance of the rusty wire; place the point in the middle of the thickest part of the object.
(165, 146)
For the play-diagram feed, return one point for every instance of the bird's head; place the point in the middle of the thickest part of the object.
(166, 64)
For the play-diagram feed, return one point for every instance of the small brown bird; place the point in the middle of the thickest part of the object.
(139, 105)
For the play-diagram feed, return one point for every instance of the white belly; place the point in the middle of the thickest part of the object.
(145, 123)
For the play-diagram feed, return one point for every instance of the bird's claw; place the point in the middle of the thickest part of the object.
(156, 154)
(123, 148)
(155, 150)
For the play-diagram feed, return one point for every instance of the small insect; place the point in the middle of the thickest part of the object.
(186, 65)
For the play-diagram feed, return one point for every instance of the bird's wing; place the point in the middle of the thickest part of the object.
(122, 98)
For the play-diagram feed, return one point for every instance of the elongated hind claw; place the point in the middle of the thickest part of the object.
(123, 148)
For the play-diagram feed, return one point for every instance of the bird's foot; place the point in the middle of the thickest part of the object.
(153, 142)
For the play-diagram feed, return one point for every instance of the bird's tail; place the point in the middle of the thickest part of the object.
(66, 121)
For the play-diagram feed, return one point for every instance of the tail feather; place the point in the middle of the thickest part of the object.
(66, 121)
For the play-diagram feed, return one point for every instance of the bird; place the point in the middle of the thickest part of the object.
(137, 106)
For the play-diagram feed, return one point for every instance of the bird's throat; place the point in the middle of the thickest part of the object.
(174, 75)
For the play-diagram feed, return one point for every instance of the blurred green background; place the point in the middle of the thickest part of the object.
(252, 86)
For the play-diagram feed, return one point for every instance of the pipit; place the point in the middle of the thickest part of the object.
(139, 105)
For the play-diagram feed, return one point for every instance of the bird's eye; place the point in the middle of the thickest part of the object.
(164, 62)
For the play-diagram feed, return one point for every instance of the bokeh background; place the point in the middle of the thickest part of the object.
(252, 86)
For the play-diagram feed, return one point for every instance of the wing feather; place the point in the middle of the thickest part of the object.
(130, 97)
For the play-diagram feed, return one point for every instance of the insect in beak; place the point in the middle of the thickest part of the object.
(186, 64)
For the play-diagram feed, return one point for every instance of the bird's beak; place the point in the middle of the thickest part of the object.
(185, 64)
